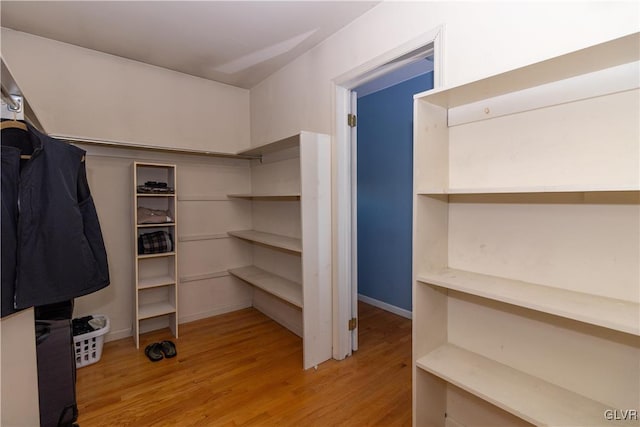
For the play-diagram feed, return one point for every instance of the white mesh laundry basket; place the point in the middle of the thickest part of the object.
(88, 346)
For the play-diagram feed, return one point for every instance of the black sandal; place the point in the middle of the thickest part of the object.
(154, 352)
(169, 349)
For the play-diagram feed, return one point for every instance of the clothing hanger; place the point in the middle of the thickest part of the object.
(13, 124)
(16, 124)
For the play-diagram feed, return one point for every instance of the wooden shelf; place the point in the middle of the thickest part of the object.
(203, 198)
(147, 311)
(198, 237)
(606, 55)
(282, 144)
(610, 313)
(161, 255)
(155, 195)
(271, 283)
(154, 282)
(533, 189)
(525, 396)
(275, 197)
(274, 240)
(159, 224)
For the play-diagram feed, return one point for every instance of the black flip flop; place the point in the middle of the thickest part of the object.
(154, 352)
(169, 349)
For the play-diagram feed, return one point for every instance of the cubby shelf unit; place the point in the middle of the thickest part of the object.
(526, 258)
(156, 274)
(290, 201)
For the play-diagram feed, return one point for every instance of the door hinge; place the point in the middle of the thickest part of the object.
(352, 120)
(353, 323)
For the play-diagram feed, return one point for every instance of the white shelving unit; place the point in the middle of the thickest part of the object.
(527, 245)
(291, 238)
(156, 274)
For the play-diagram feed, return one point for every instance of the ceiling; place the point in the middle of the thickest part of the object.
(235, 42)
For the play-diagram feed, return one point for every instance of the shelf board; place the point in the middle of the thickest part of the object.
(531, 189)
(610, 313)
(154, 282)
(605, 55)
(155, 195)
(147, 311)
(205, 276)
(160, 255)
(271, 283)
(274, 240)
(160, 224)
(277, 197)
(281, 144)
(203, 198)
(198, 237)
(523, 395)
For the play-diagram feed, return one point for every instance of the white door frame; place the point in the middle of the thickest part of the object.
(344, 186)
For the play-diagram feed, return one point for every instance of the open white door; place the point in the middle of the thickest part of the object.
(353, 325)
(345, 257)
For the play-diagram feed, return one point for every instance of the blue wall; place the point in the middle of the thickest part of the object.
(385, 191)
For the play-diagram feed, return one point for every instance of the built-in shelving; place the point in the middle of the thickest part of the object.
(526, 214)
(290, 271)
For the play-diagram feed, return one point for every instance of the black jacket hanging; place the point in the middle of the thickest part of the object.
(52, 246)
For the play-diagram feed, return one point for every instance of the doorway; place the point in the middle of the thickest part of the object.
(384, 182)
(345, 276)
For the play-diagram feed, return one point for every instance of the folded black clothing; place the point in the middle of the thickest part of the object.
(155, 184)
(82, 326)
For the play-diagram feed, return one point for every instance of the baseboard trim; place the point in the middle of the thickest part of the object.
(385, 306)
(125, 333)
(118, 335)
(215, 312)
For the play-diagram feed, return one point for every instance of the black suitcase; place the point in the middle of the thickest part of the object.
(56, 373)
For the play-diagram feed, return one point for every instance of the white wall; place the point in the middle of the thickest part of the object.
(480, 39)
(83, 93)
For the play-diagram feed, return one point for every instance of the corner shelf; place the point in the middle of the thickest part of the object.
(284, 289)
(269, 239)
(291, 196)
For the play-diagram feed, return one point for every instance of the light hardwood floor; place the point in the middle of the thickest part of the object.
(243, 369)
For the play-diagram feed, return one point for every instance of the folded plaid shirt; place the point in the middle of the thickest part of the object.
(155, 243)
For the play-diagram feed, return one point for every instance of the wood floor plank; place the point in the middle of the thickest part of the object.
(243, 369)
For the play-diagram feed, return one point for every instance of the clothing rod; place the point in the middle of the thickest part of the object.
(128, 145)
(6, 97)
